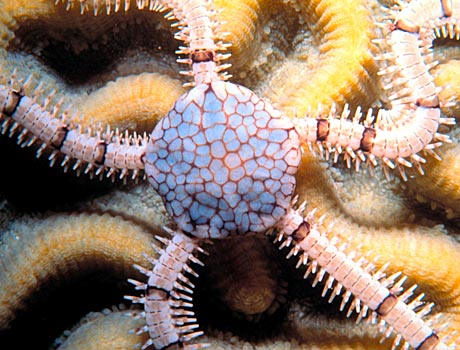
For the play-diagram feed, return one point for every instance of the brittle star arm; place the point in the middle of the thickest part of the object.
(168, 294)
(101, 151)
(106, 151)
(399, 134)
(401, 314)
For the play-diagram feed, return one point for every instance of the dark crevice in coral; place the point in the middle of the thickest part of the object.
(77, 54)
(212, 314)
(60, 304)
(445, 43)
(445, 49)
(29, 184)
(63, 301)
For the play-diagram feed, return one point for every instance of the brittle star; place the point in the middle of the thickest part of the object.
(224, 162)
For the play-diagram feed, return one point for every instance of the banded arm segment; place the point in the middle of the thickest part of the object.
(99, 151)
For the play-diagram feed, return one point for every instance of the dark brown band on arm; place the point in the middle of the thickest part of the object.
(322, 129)
(302, 231)
(59, 136)
(367, 141)
(202, 56)
(429, 343)
(13, 99)
(428, 102)
(100, 153)
(387, 304)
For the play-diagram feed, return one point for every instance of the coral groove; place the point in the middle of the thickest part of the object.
(60, 246)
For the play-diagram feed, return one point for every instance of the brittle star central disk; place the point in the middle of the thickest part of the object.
(224, 161)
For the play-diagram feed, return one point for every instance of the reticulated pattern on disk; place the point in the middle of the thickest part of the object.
(223, 161)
